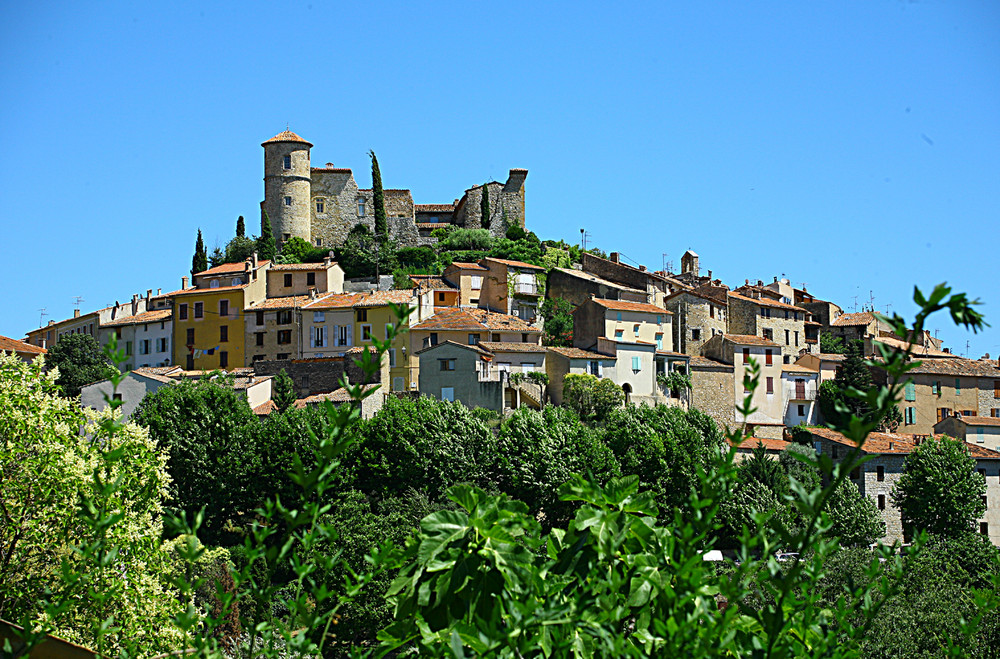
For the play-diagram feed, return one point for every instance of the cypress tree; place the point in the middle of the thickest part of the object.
(241, 227)
(199, 263)
(381, 225)
(484, 207)
(266, 248)
(284, 391)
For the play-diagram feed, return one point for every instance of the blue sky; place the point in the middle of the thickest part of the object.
(854, 146)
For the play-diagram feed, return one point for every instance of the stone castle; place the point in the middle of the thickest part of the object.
(322, 204)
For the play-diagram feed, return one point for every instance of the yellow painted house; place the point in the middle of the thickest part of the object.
(209, 328)
(373, 317)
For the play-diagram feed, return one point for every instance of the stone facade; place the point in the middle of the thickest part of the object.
(771, 320)
(697, 319)
(322, 204)
(576, 287)
(712, 389)
(314, 376)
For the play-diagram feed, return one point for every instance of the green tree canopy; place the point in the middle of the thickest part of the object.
(239, 249)
(241, 227)
(199, 262)
(592, 398)
(284, 391)
(80, 361)
(266, 247)
(940, 490)
(558, 325)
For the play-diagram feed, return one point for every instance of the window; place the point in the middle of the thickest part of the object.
(366, 332)
(995, 412)
(796, 338)
(310, 279)
(288, 201)
(659, 340)
(802, 410)
(183, 312)
(984, 528)
(362, 315)
(473, 339)
(619, 334)
(285, 237)
(943, 413)
(524, 337)
(594, 368)
(985, 502)
(189, 363)
(223, 333)
(910, 391)
(199, 310)
(118, 332)
(768, 333)
(258, 358)
(224, 308)
(441, 297)
(284, 337)
(770, 385)
(287, 162)
(910, 417)
(260, 338)
(958, 387)
(786, 316)
(746, 355)
(881, 502)
(223, 359)
(880, 473)
(214, 283)
(260, 318)
(190, 336)
(392, 357)
(765, 312)
(836, 452)
(635, 330)
(434, 338)
(936, 388)
(281, 355)
(855, 473)
(979, 436)
(344, 335)
(285, 317)
(768, 356)
(619, 317)
(696, 334)
(161, 344)
(116, 397)
(319, 316)
(128, 347)
(635, 364)
(320, 205)
(787, 342)
(288, 280)
(361, 207)
(447, 364)
(996, 388)
(448, 394)
(476, 282)
(319, 242)
(318, 337)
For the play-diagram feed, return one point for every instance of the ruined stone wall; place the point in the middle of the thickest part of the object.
(712, 392)
(469, 215)
(692, 313)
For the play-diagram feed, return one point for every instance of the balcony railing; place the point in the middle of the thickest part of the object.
(526, 288)
(792, 394)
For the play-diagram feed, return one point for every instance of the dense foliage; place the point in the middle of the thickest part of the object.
(80, 361)
(558, 324)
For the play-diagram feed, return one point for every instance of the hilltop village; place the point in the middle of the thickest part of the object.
(477, 333)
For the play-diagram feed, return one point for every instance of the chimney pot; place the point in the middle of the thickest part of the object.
(76, 313)
(159, 291)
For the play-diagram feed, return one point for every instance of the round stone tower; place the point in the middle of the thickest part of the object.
(287, 186)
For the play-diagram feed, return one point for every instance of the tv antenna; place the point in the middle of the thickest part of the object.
(871, 300)
(584, 235)
(855, 302)
(77, 300)
(42, 313)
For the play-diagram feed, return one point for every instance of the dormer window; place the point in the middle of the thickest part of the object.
(288, 162)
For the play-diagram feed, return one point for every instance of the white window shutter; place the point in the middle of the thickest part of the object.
(350, 335)
(600, 369)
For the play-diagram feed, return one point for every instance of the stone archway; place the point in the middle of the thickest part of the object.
(627, 389)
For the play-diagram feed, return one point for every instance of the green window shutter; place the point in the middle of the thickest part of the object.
(958, 386)
(911, 392)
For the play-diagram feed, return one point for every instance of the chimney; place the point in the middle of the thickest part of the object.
(149, 293)
(746, 282)
(184, 283)
(613, 257)
(642, 268)
(135, 304)
(890, 446)
(709, 274)
(159, 291)
(76, 313)
(775, 279)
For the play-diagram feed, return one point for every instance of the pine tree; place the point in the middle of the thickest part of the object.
(241, 227)
(284, 391)
(266, 249)
(484, 207)
(199, 262)
(381, 225)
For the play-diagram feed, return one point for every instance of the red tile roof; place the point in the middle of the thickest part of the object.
(458, 318)
(434, 208)
(8, 344)
(432, 282)
(468, 266)
(854, 319)
(749, 340)
(465, 346)
(206, 291)
(515, 264)
(902, 444)
(752, 442)
(224, 268)
(577, 353)
(156, 316)
(511, 346)
(265, 408)
(335, 301)
(383, 298)
(697, 361)
(298, 266)
(765, 302)
(957, 366)
(291, 302)
(286, 136)
(623, 305)
(980, 420)
(337, 396)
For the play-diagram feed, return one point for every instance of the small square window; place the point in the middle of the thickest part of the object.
(881, 502)
(695, 334)
(288, 281)
(319, 242)
(447, 364)
(310, 279)
(287, 162)
(880, 473)
(223, 359)
(288, 201)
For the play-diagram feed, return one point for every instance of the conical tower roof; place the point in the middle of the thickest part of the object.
(286, 136)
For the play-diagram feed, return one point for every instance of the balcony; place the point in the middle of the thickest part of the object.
(792, 394)
(526, 288)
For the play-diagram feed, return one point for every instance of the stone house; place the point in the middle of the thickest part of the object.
(738, 350)
(940, 388)
(322, 204)
(328, 322)
(288, 279)
(622, 321)
(657, 285)
(753, 311)
(274, 328)
(25, 351)
(799, 385)
(981, 430)
(323, 375)
(698, 317)
(801, 298)
(856, 326)
(144, 337)
(468, 278)
(576, 287)
(562, 361)
(712, 389)
(512, 287)
(876, 478)
(209, 329)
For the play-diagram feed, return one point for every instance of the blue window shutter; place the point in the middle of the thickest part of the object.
(910, 392)
(635, 363)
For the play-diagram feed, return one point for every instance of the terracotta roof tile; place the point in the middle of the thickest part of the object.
(225, 268)
(8, 344)
(830, 356)
(697, 361)
(752, 442)
(468, 266)
(854, 319)
(577, 353)
(458, 318)
(765, 302)
(382, 298)
(156, 316)
(205, 291)
(474, 348)
(902, 444)
(298, 266)
(335, 301)
(291, 302)
(749, 340)
(624, 305)
(580, 274)
(515, 264)
(980, 420)
(265, 408)
(798, 368)
(917, 351)
(510, 346)
(286, 136)
(957, 366)
(434, 208)
(432, 282)
(337, 396)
